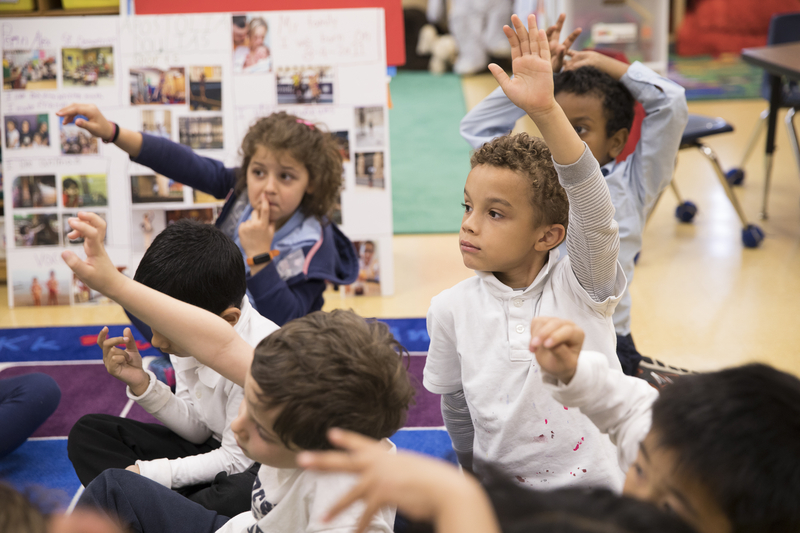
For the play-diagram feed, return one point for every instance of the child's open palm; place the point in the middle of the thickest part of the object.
(531, 88)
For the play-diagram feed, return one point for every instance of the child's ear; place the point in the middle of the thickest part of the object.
(617, 142)
(231, 315)
(553, 236)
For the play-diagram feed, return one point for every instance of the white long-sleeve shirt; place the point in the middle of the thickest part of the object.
(203, 406)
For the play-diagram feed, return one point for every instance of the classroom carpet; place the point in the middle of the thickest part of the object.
(70, 356)
(430, 160)
(726, 77)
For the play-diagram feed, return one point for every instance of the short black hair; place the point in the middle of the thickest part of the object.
(68, 182)
(737, 431)
(197, 264)
(618, 102)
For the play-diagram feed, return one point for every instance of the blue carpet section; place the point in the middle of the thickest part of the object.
(42, 464)
(410, 332)
(433, 442)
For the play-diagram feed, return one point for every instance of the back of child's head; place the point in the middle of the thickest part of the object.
(530, 158)
(18, 514)
(309, 145)
(737, 431)
(332, 370)
(197, 264)
(618, 103)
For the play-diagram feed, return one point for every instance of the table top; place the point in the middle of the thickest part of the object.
(779, 59)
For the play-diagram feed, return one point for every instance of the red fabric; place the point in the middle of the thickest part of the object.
(395, 30)
(717, 26)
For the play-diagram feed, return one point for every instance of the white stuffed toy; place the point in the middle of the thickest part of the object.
(442, 48)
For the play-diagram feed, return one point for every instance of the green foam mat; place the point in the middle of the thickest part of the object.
(430, 160)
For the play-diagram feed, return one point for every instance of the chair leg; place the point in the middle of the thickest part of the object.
(712, 157)
(793, 133)
(767, 180)
(751, 144)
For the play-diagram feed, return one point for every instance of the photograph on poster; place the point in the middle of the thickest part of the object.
(34, 191)
(148, 224)
(27, 131)
(201, 133)
(66, 228)
(204, 215)
(369, 127)
(82, 294)
(75, 140)
(201, 197)
(369, 273)
(85, 190)
(31, 70)
(342, 139)
(369, 170)
(151, 188)
(41, 286)
(2, 203)
(157, 122)
(36, 230)
(336, 214)
(151, 86)
(87, 67)
(305, 85)
(251, 52)
(205, 88)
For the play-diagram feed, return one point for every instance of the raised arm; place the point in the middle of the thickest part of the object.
(494, 116)
(206, 336)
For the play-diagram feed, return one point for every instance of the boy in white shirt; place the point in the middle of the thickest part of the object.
(195, 451)
(717, 449)
(515, 216)
(318, 371)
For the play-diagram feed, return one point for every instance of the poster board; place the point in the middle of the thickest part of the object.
(145, 73)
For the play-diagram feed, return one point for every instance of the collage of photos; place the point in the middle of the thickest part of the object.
(369, 272)
(305, 85)
(34, 191)
(75, 140)
(370, 131)
(31, 70)
(205, 88)
(92, 67)
(370, 141)
(85, 190)
(155, 188)
(201, 133)
(157, 122)
(36, 230)
(27, 131)
(251, 52)
(369, 170)
(151, 86)
(42, 286)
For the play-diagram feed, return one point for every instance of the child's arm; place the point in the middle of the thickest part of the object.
(165, 157)
(617, 404)
(206, 336)
(425, 489)
(125, 365)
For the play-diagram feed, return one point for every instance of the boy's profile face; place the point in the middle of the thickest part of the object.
(498, 231)
(654, 477)
(587, 115)
(254, 433)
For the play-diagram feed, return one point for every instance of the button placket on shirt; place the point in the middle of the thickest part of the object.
(518, 326)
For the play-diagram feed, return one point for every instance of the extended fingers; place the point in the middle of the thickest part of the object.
(522, 33)
(329, 461)
(101, 337)
(541, 328)
(570, 40)
(513, 42)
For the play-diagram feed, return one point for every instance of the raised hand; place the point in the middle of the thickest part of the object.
(531, 89)
(257, 233)
(97, 271)
(95, 123)
(559, 50)
(125, 365)
(557, 344)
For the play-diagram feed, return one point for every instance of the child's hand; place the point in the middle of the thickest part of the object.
(96, 124)
(257, 233)
(125, 365)
(98, 272)
(557, 344)
(531, 89)
(559, 50)
(422, 488)
(588, 58)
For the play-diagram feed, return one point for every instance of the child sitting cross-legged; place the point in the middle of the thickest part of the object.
(195, 451)
(318, 371)
(718, 449)
(519, 198)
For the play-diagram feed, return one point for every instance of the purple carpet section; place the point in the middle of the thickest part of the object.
(85, 388)
(426, 411)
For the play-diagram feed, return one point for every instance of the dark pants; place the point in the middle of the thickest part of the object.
(99, 442)
(25, 403)
(629, 356)
(144, 506)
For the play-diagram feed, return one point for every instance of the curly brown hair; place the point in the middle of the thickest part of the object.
(308, 144)
(530, 157)
(332, 370)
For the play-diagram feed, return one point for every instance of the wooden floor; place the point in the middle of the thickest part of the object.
(701, 300)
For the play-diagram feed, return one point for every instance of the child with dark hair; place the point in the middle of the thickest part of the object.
(318, 371)
(71, 193)
(195, 451)
(598, 94)
(278, 204)
(521, 198)
(718, 449)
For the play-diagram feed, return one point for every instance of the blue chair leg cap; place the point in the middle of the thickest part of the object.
(735, 176)
(752, 236)
(636, 257)
(686, 211)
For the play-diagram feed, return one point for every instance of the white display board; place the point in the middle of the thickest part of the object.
(201, 80)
